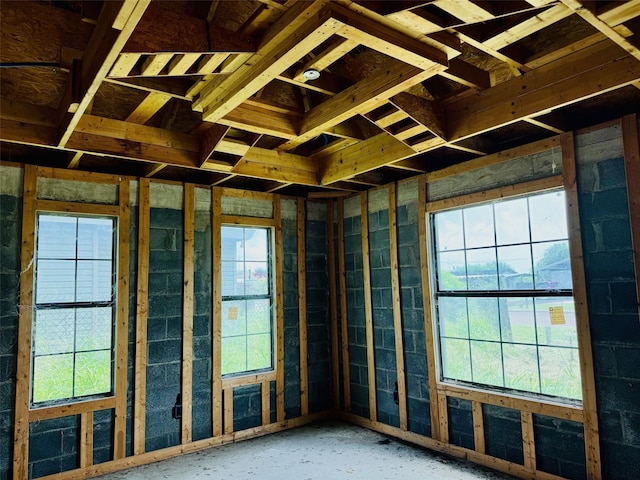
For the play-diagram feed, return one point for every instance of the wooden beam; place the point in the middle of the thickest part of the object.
(595, 70)
(209, 141)
(142, 310)
(334, 52)
(188, 300)
(344, 326)
(333, 304)
(589, 404)
(632, 175)
(216, 317)
(279, 260)
(423, 111)
(367, 155)
(100, 55)
(155, 64)
(152, 103)
(260, 119)
(467, 74)
(465, 10)
(302, 305)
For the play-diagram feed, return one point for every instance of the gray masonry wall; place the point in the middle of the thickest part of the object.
(613, 306)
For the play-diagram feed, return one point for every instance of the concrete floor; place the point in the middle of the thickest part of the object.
(323, 451)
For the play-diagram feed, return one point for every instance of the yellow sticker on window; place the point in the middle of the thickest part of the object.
(232, 313)
(557, 315)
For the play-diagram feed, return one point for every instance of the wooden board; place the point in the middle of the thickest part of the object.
(632, 174)
(346, 388)
(333, 293)
(279, 254)
(187, 313)
(302, 306)
(216, 403)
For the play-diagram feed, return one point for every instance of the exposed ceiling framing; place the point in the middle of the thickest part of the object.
(214, 92)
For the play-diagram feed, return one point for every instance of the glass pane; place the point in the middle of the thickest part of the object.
(512, 224)
(478, 226)
(94, 328)
(258, 316)
(452, 313)
(53, 331)
(548, 216)
(55, 281)
(449, 233)
(256, 278)
(256, 244)
(52, 377)
(560, 372)
(556, 321)
(456, 361)
(232, 278)
(451, 271)
(234, 355)
(56, 237)
(482, 269)
(484, 319)
(514, 265)
(234, 318)
(486, 358)
(93, 373)
(95, 238)
(521, 367)
(259, 347)
(94, 281)
(552, 265)
(232, 243)
(517, 320)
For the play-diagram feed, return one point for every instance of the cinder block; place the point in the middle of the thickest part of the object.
(615, 329)
(628, 361)
(616, 394)
(603, 205)
(599, 297)
(624, 298)
(379, 239)
(604, 360)
(619, 461)
(610, 265)
(164, 351)
(611, 173)
(408, 234)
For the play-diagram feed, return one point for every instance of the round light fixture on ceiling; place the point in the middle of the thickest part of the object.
(311, 74)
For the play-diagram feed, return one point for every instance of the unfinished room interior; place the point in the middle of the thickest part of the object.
(224, 220)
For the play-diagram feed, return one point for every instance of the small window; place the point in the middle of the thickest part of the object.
(247, 300)
(74, 308)
(504, 297)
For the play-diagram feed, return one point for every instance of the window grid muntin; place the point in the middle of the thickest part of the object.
(245, 298)
(498, 293)
(75, 306)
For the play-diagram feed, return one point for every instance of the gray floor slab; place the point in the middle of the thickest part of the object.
(323, 451)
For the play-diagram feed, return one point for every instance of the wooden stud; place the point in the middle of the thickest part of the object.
(216, 226)
(478, 426)
(187, 313)
(443, 411)
(528, 440)
(279, 310)
(428, 310)
(120, 427)
(86, 442)
(368, 307)
(77, 207)
(265, 389)
(302, 306)
(25, 325)
(333, 292)
(397, 309)
(142, 302)
(343, 309)
(632, 174)
(591, 435)
(228, 410)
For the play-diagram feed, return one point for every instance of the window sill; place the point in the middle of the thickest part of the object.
(251, 379)
(67, 409)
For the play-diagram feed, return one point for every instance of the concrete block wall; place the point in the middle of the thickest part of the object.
(10, 233)
(611, 291)
(247, 407)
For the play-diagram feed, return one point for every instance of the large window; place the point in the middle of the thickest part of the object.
(247, 303)
(74, 308)
(503, 296)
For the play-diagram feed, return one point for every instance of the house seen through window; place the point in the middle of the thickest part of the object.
(74, 308)
(504, 298)
(247, 300)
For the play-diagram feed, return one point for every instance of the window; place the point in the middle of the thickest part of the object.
(247, 303)
(504, 299)
(74, 308)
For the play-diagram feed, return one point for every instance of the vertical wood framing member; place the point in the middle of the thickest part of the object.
(335, 363)
(142, 300)
(428, 314)
(302, 307)
(528, 441)
(120, 427)
(86, 442)
(343, 309)
(277, 218)
(397, 311)
(478, 426)
(228, 410)
(187, 313)
(25, 324)
(591, 435)
(632, 174)
(265, 389)
(443, 420)
(368, 306)
(216, 401)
